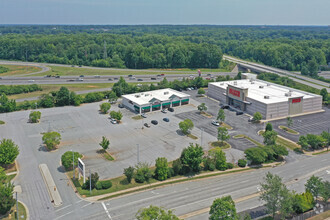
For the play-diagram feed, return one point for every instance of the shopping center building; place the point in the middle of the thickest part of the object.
(154, 100)
(271, 100)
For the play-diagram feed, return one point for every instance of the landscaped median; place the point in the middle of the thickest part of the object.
(288, 130)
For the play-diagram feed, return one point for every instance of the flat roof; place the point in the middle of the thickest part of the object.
(275, 92)
(142, 98)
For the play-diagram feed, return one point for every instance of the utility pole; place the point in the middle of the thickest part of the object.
(73, 165)
(138, 156)
(90, 182)
(17, 207)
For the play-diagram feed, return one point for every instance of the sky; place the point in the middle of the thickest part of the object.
(130, 12)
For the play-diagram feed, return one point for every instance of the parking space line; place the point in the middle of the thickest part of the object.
(106, 210)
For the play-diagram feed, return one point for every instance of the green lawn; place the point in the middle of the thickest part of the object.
(226, 126)
(76, 71)
(12, 213)
(2, 122)
(222, 145)
(15, 70)
(286, 143)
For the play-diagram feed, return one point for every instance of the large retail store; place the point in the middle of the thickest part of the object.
(271, 100)
(155, 100)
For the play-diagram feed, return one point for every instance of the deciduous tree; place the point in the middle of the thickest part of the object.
(221, 115)
(161, 168)
(192, 157)
(104, 143)
(155, 213)
(8, 152)
(223, 208)
(186, 126)
(105, 107)
(51, 139)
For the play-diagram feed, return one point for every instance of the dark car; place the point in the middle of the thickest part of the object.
(166, 119)
(110, 79)
(57, 76)
(154, 122)
(225, 106)
(120, 105)
(147, 125)
(115, 78)
(130, 75)
(171, 109)
(239, 113)
(153, 78)
(140, 80)
(82, 76)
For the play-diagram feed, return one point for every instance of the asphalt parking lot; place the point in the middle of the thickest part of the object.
(306, 124)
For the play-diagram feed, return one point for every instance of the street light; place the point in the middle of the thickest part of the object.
(202, 130)
(73, 165)
(138, 149)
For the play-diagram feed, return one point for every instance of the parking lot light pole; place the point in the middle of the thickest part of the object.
(73, 164)
(138, 156)
(90, 182)
(17, 207)
(202, 130)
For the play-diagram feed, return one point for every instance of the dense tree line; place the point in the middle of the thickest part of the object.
(18, 89)
(157, 46)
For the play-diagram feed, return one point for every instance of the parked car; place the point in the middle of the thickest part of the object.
(80, 79)
(166, 119)
(171, 109)
(251, 119)
(215, 123)
(57, 76)
(153, 78)
(97, 76)
(225, 106)
(82, 76)
(113, 121)
(144, 115)
(147, 125)
(154, 122)
(130, 75)
(120, 105)
(164, 110)
(239, 113)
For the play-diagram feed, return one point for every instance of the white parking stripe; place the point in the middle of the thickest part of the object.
(106, 210)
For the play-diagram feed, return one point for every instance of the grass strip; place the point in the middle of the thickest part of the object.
(12, 213)
(222, 145)
(2, 122)
(289, 144)
(321, 152)
(288, 130)
(137, 117)
(226, 126)
(192, 136)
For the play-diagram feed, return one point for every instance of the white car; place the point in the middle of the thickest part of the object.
(113, 121)
(143, 115)
(164, 111)
(215, 123)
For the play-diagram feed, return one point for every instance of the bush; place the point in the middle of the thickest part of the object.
(170, 172)
(116, 115)
(230, 166)
(94, 180)
(66, 159)
(242, 163)
(177, 167)
(298, 150)
(303, 202)
(161, 168)
(104, 107)
(257, 116)
(106, 184)
(34, 116)
(143, 173)
(8, 151)
(208, 164)
(192, 157)
(219, 158)
(256, 155)
(51, 139)
(98, 185)
(129, 173)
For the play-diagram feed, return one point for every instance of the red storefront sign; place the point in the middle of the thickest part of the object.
(234, 92)
(297, 100)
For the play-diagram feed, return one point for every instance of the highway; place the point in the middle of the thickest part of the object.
(296, 77)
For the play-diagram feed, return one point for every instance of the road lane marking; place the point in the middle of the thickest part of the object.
(80, 201)
(63, 207)
(63, 215)
(86, 205)
(106, 210)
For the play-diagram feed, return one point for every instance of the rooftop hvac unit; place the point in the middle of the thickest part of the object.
(268, 84)
(252, 82)
(288, 94)
(266, 97)
(146, 94)
(290, 90)
(221, 83)
(137, 96)
(165, 93)
(261, 87)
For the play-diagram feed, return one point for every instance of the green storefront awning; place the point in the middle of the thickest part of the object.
(156, 106)
(176, 102)
(168, 103)
(185, 100)
(147, 107)
(136, 107)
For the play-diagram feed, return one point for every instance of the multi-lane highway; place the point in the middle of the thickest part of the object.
(263, 68)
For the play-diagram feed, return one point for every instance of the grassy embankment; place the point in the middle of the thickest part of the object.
(15, 70)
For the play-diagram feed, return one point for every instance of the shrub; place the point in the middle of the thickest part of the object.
(129, 173)
(104, 107)
(257, 116)
(303, 202)
(269, 127)
(192, 157)
(170, 172)
(230, 166)
(94, 180)
(34, 116)
(298, 150)
(116, 115)
(256, 155)
(51, 139)
(219, 158)
(98, 185)
(8, 151)
(177, 167)
(143, 173)
(106, 184)
(241, 163)
(161, 168)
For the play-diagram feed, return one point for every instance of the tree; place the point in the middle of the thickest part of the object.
(314, 185)
(3, 176)
(51, 139)
(186, 126)
(67, 159)
(129, 173)
(143, 173)
(116, 115)
(104, 143)
(302, 202)
(276, 196)
(219, 158)
(201, 91)
(257, 116)
(221, 115)
(8, 152)
(325, 191)
(222, 134)
(104, 107)
(161, 168)
(312, 67)
(202, 107)
(192, 157)
(269, 127)
(177, 166)
(315, 141)
(62, 97)
(326, 136)
(34, 116)
(223, 208)
(6, 197)
(112, 97)
(155, 213)
(256, 155)
(241, 163)
(289, 121)
(93, 180)
(270, 137)
(324, 94)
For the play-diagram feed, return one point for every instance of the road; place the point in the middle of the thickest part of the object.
(296, 77)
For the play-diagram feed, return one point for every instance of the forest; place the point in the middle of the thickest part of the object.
(168, 46)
